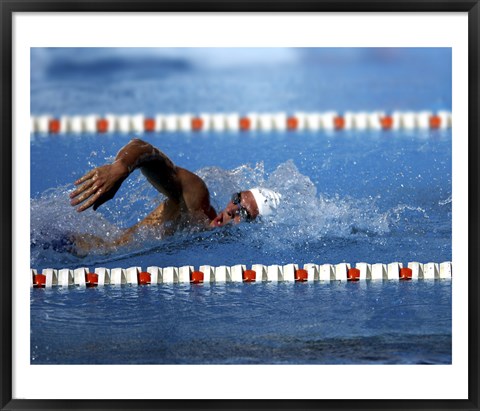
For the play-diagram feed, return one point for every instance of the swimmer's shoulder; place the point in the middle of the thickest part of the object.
(195, 192)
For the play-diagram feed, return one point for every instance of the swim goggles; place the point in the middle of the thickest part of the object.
(242, 211)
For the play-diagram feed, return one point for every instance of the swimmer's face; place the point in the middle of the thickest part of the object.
(242, 207)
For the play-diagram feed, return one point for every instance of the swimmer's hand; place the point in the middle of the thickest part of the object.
(98, 185)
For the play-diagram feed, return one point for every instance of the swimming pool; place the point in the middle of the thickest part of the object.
(349, 196)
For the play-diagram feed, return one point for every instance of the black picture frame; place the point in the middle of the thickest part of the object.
(8, 8)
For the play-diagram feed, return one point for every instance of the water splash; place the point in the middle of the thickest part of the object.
(446, 201)
(304, 217)
(53, 221)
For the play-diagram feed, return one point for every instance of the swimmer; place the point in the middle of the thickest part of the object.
(188, 198)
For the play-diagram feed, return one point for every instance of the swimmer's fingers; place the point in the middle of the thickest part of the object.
(86, 195)
(95, 196)
(90, 201)
(86, 177)
(96, 187)
(81, 189)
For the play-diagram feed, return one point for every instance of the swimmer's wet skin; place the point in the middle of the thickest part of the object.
(187, 194)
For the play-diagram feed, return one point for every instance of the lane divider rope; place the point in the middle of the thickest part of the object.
(329, 121)
(206, 274)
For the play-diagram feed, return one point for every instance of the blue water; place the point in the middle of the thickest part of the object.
(348, 196)
(282, 323)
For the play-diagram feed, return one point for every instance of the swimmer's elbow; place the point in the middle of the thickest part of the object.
(139, 145)
(136, 140)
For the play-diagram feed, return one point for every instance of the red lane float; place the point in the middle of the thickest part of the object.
(386, 122)
(292, 123)
(339, 123)
(435, 122)
(197, 277)
(54, 126)
(405, 273)
(149, 125)
(353, 274)
(39, 281)
(91, 280)
(197, 124)
(144, 278)
(301, 275)
(244, 124)
(102, 125)
(249, 276)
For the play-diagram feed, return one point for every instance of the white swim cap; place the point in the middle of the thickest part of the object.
(267, 200)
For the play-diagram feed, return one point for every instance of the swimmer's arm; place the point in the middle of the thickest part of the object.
(84, 243)
(155, 165)
(101, 184)
(184, 189)
(166, 211)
